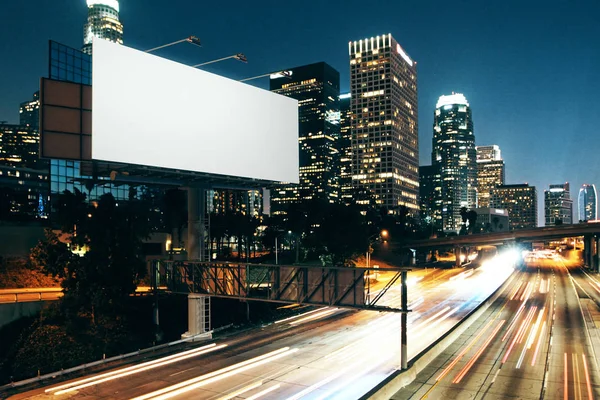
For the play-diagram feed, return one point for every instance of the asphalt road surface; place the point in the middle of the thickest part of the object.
(531, 344)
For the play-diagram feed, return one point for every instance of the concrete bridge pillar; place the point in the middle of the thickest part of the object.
(595, 250)
(198, 317)
(457, 254)
(587, 251)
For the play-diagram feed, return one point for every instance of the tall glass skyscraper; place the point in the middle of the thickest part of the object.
(345, 147)
(455, 156)
(103, 22)
(385, 132)
(558, 205)
(588, 203)
(317, 89)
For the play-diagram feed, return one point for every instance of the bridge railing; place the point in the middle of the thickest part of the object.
(302, 284)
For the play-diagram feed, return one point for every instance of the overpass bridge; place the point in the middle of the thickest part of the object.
(589, 231)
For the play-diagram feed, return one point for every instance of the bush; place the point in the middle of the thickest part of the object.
(17, 273)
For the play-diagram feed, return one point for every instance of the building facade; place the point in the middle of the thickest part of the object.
(385, 141)
(24, 184)
(430, 195)
(454, 154)
(521, 203)
(492, 219)
(29, 112)
(490, 172)
(102, 22)
(317, 89)
(588, 203)
(345, 148)
(558, 205)
(19, 146)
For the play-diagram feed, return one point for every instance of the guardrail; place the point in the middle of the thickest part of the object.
(29, 294)
(103, 361)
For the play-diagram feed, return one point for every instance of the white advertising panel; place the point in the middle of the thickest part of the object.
(152, 111)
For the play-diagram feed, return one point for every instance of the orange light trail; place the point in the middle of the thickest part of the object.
(521, 328)
(587, 378)
(478, 354)
(462, 353)
(566, 391)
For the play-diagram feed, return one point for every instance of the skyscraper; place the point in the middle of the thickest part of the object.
(430, 195)
(385, 141)
(588, 206)
(345, 148)
(19, 146)
(454, 155)
(521, 203)
(103, 22)
(558, 205)
(317, 89)
(490, 172)
(29, 112)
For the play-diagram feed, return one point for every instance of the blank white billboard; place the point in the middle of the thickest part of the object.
(151, 111)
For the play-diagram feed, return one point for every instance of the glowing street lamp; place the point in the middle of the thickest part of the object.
(190, 39)
(284, 74)
(239, 56)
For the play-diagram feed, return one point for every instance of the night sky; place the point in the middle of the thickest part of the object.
(529, 68)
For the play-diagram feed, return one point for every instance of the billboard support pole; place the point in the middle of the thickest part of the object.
(198, 304)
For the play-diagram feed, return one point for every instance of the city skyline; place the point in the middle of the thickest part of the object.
(514, 86)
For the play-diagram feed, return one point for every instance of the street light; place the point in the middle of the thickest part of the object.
(284, 74)
(372, 239)
(277, 246)
(190, 39)
(239, 56)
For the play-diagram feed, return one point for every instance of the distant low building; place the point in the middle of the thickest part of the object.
(492, 219)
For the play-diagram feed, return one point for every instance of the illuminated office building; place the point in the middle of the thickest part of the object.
(19, 146)
(587, 203)
(385, 140)
(490, 172)
(558, 205)
(317, 89)
(345, 147)
(246, 202)
(454, 155)
(521, 203)
(29, 112)
(430, 195)
(24, 187)
(103, 22)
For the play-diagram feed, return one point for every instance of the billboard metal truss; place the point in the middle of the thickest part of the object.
(342, 287)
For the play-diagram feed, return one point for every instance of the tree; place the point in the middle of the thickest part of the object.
(472, 220)
(111, 235)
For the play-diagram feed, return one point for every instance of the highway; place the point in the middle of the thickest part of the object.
(531, 344)
(323, 353)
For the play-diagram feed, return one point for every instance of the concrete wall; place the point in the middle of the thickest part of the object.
(16, 241)
(10, 312)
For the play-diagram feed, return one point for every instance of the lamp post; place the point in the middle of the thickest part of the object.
(190, 39)
(286, 74)
(277, 247)
(239, 56)
(384, 234)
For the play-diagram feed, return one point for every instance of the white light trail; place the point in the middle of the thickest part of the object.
(120, 373)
